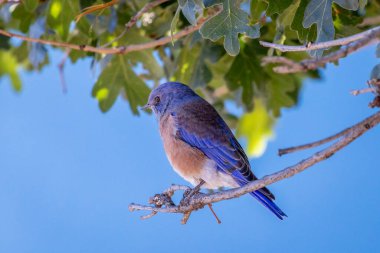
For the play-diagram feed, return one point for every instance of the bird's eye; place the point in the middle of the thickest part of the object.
(157, 100)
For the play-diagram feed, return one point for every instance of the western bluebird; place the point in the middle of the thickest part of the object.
(200, 145)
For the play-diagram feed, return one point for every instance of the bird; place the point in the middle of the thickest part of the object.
(199, 144)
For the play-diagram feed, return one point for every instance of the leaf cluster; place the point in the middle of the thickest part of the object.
(222, 60)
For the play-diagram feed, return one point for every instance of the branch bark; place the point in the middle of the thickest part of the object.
(289, 66)
(370, 21)
(285, 151)
(371, 33)
(362, 91)
(199, 201)
(120, 50)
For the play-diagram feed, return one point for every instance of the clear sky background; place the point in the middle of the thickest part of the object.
(68, 173)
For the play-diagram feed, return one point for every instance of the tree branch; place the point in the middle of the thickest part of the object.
(370, 21)
(342, 133)
(362, 91)
(290, 66)
(199, 201)
(369, 34)
(120, 50)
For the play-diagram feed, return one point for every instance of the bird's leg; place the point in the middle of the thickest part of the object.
(212, 210)
(196, 189)
(192, 192)
(187, 196)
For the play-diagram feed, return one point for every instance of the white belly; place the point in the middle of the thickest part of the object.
(214, 179)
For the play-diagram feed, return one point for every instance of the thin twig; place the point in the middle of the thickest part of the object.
(199, 201)
(175, 187)
(135, 18)
(371, 33)
(290, 66)
(145, 217)
(285, 151)
(374, 82)
(185, 217)
(362, 91)
(94, 8)
(370, 21)
(120, 50)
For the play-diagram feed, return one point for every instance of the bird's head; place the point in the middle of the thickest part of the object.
(167, 96)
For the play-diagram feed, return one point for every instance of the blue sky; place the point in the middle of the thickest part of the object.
(68, 173)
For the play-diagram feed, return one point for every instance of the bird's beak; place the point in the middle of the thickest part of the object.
(146, 107)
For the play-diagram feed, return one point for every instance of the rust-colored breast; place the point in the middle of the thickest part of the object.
(185, 160)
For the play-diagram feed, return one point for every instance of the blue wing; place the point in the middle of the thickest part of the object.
(200, 126)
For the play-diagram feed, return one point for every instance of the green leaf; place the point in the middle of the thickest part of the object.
(25, 17)
(245, 71)
(192, 67)
(276, 90)
(284, 20)
(60, 15)
(118, 76)
(277, 6)
(346, 18)
(228, 24)
(4, 42)
(201, 74)
(304, 34)
(10, 69)
(145, 57)
(161, 23)
(280, 91)
(86, 3)
(287, 16)
(319, 12)
(153, 69)
(186, 63)
(189, 9)
(30, 5)
(256, 128)
(362, 4)
(174, 23)
(218, 71)
(257, 8)
(21, 52)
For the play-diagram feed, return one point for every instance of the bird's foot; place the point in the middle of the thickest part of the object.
(188, 194)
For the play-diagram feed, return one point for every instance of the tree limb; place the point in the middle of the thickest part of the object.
(370, 21)
(290, 66)
(120, 50)
(370, 34)
(199, 201)
(362, 91)
(285, 151)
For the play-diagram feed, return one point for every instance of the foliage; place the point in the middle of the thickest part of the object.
(222, 60)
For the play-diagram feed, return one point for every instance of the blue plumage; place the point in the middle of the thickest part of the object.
(198, 124)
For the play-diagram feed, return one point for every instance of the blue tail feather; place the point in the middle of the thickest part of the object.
(269, 204)
(261, 197)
